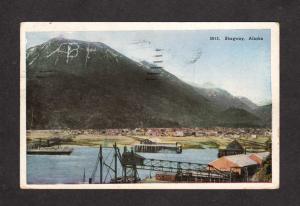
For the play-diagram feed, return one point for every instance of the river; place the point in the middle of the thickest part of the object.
(69, 169)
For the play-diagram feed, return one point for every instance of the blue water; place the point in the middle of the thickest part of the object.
(56, 169)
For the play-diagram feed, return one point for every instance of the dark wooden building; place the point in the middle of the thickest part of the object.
(130, 158)
(233, 148)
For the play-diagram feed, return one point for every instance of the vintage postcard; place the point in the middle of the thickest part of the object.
(117, 105)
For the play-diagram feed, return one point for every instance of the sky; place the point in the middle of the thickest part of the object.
(243, 68)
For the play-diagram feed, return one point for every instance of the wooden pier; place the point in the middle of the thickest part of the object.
(50, 151)
(155, 148)
(50, 146)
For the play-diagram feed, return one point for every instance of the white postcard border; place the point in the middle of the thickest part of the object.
(129, 26)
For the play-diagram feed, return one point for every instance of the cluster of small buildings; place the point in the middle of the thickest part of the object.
(235, 159)
(242, 164)
(180, 132)
(242, 167)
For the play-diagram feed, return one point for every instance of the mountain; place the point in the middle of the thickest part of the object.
(235, 111)
(265, 114)
(235, 117)
(223, 100)
(78, 84)
(248, 102)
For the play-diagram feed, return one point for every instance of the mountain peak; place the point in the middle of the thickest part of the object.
(60, 37)
(60, 50)
(248, 102)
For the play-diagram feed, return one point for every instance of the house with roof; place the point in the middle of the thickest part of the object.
(241, 164)
(260, 158)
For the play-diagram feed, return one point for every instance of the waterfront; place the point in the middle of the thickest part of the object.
(69, 169)
(95, 137)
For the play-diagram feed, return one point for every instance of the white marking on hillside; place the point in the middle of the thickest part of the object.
(30, 51)
(46, 45)
(33, 59)
(88, 51)
(110, 54)
(56, 60)
(72, 50)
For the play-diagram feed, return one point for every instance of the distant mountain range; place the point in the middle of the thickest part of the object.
(78, 84)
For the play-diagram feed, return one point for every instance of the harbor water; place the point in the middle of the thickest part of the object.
(70, 169)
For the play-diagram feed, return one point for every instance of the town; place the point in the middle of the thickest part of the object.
(179, 132)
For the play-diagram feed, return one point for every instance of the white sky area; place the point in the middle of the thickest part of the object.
(243, 68)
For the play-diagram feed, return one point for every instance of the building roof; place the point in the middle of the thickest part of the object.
(241, 160)
(262, 155)
(234, 145)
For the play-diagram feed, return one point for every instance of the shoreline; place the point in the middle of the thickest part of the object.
(94, 140)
